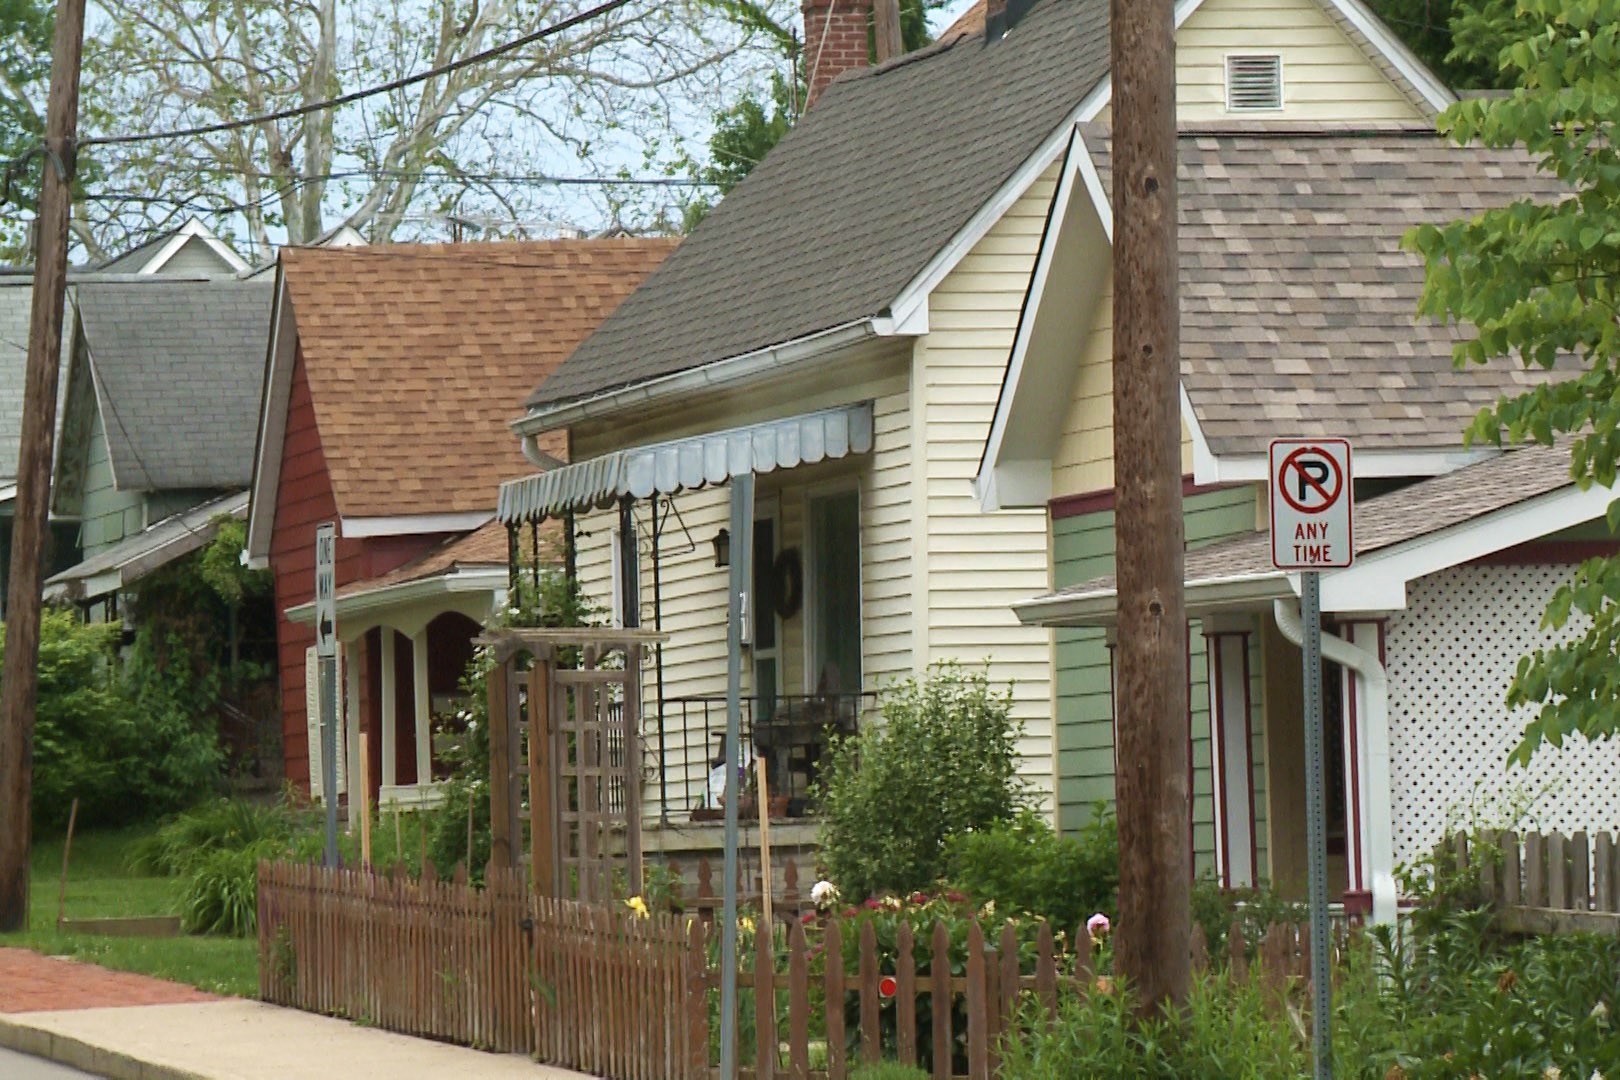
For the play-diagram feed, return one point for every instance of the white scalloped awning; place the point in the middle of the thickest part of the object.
(691, 463)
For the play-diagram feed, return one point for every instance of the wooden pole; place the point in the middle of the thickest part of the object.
(1151, 782)
(19, 677)
(764, 845)
(886, 30)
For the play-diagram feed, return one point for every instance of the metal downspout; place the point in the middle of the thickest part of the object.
(1380, 826)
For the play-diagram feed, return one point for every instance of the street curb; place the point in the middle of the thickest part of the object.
(78, 1054)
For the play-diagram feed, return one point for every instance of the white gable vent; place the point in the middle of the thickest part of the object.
(1254, 83)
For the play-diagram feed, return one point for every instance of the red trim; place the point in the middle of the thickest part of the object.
(1567, 552)
(1223, 813)
(1357, 902)
(1090, 502)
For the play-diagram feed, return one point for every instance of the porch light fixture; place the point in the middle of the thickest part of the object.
(722, 548)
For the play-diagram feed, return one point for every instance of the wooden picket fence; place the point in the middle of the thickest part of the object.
(1545, 883)
(593, 988)
(822, 1027)
(606, 991)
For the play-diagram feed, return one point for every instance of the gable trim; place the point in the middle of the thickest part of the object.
(278, 372)
(1209, 468)
(359, 528)
(193, 230)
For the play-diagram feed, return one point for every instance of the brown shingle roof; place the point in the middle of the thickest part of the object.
(416, 354)
(1298, 304)
(1396, 518)
(484, 547)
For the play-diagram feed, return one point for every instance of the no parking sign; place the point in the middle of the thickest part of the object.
(1311, 504)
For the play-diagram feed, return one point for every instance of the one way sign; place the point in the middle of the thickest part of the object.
(326, 591)
(1311, 504)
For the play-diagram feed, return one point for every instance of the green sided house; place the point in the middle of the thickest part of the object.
(838, 328)
(1298, 320)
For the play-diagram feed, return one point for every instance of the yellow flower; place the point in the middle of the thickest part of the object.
(637, 905)
(745, 924)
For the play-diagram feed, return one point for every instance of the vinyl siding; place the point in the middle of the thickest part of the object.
(1082, 549)
(109, 515)
(1326, 75)
(977, 565)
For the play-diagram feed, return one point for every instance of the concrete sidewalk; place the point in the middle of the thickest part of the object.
(67, 1012)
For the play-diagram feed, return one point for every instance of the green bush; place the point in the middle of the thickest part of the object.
(221, 892)
(221, 825)
(942, 761)
(1216, 909)
(1027, 868)
(85, 742)
(887, 1070)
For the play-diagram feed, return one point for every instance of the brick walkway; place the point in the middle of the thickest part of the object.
(30, 982)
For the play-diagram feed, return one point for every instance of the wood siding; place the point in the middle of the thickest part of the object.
(1326, 75)
(975, 566)
(1082, 549)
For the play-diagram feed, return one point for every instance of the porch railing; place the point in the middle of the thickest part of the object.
(790, 731)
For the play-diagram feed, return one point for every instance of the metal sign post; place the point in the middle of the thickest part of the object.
(326, 656)
(742, 548)
(1312, 511)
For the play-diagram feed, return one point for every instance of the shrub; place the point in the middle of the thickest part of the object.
(1216, 908)
(943, 761)
(1025, 867)
(221, 825)
(221, 893)
(887, 1070)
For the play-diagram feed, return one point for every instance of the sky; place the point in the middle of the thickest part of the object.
(947, 14)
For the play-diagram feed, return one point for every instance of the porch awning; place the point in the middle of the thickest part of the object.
(136, 556)
(691, 463)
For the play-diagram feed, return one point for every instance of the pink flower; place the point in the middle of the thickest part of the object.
(1097, 926)
(873, 903)
(919, 898)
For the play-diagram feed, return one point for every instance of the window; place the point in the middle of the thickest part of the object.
(625, 603)
(833, 592)
(1254, 83)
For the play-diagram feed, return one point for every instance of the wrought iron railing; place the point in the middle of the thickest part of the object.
(790, 731)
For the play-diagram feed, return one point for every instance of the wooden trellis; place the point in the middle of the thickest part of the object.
(566, 757)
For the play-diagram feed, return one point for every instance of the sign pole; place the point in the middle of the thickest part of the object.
(742, 547)
(1316, 828)
(1312, 528)
(326, 654)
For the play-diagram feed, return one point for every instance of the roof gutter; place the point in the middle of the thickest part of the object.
(460, 580)
(1100, 608)
(731, 372)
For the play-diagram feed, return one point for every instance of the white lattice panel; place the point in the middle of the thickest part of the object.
(1450, 656)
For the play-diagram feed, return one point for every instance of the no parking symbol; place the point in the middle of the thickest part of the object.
(1311, 504)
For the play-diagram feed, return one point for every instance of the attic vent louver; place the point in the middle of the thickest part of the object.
(1254, 83)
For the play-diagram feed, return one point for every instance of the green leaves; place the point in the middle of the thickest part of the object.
(1538, 281)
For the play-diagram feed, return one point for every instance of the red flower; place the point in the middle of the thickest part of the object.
(849, 913)
(872, 903)
(955, 897)
(919, 898)
(808, 918)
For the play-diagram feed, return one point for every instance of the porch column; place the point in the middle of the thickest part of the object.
(1226, 641)
(424, 734)
(1368, 636)
(349, 691)
(390, 720)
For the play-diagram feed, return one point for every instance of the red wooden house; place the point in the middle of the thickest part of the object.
(386, 407)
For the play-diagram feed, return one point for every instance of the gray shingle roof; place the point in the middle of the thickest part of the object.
(1415, 511)
(853, 203)
(179, 368)
(16, 299)
(1298, 304)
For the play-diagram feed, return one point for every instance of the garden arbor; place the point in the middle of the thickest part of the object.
(566, 756)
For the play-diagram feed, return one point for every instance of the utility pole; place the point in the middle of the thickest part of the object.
(1151, 780)
(19, 678)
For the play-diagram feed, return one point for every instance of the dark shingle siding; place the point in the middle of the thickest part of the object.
(853, 203)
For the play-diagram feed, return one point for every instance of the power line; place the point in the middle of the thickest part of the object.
(357, 95)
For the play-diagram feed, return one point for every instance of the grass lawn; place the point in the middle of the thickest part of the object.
(100, 884)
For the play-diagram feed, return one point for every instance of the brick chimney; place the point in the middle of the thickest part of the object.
(835, 41)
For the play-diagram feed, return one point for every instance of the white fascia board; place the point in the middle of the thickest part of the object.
(727, 373)
(8, 493)
(1238, 591)
(278, 372)
(1404, 61)
(487, 580)
(985, 483)
(1253, 468)
(194, 229)
(360, 528)
(1378, 582)
(1204, 462)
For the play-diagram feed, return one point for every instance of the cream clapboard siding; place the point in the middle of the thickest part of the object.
(693, 589)
(1326, 76)
(977, 565)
